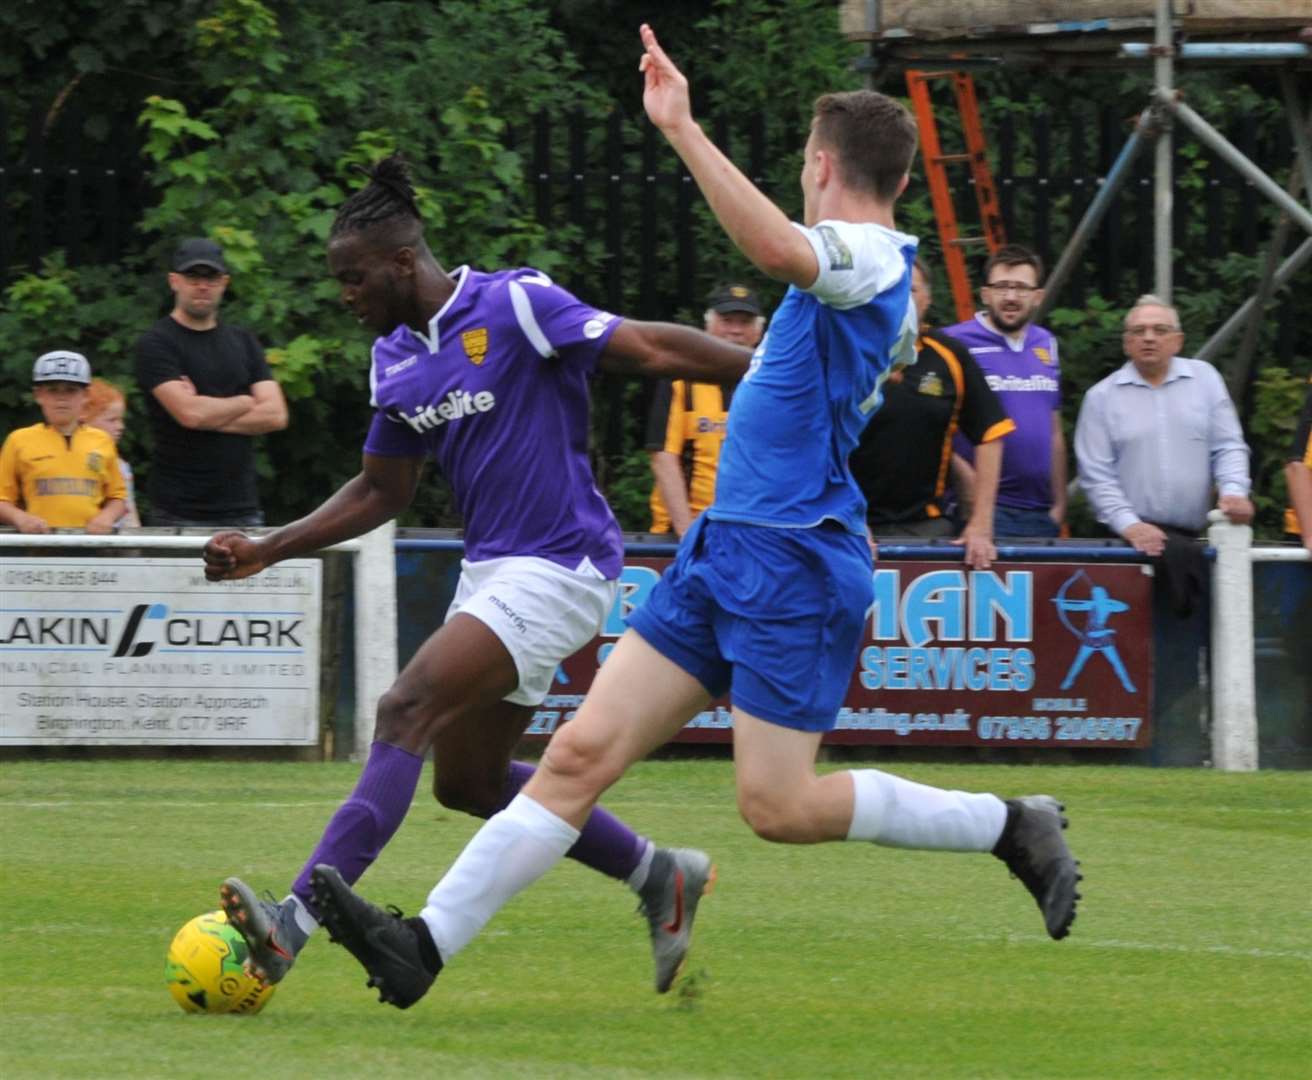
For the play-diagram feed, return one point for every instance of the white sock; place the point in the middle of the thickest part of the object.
(899, 813)
(638, 878)
(508, 854)
(305, 920)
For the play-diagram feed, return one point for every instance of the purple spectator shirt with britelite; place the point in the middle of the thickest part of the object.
(497, 394)
(1027, 380)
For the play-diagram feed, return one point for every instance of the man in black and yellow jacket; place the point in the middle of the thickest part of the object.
(902, 461)
(686, 427)
(1298, 475)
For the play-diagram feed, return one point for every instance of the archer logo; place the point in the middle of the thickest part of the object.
(1098, 606)
(128, 645)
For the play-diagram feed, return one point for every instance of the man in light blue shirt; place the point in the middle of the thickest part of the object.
(1157, 435)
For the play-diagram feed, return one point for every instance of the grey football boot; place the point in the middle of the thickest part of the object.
(270, 929)
(676, 881)
(1035, 851)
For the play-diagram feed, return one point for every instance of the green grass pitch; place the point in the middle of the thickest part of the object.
(1191, 956)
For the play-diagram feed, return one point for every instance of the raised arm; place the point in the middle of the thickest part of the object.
(758, 228)
(384, 487)
(665, 350)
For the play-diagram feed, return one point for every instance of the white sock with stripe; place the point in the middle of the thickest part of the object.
(508, 854)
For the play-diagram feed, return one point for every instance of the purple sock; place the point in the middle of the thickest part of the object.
(363, 824)
(605, 844)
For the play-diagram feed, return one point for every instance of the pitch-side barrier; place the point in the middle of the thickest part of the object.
(1234, 728)
(374, 560)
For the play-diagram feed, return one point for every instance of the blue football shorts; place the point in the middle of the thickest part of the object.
(773, 616)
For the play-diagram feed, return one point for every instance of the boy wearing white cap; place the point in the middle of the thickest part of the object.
(60, 473)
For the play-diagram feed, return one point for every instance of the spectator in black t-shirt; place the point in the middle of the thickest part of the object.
(902, 460)
(208, 390)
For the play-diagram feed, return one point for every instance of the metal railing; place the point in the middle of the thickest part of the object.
(1233, 684)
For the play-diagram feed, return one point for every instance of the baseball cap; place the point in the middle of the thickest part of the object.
(198, 252)
(727, 298)
(61, 365)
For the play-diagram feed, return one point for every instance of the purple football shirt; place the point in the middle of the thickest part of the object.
(497, 394)
(1027, 381)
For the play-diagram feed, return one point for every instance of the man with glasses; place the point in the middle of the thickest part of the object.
(1019, 360)
(1156, 437)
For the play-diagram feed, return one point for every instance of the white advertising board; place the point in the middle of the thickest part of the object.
(146, 651)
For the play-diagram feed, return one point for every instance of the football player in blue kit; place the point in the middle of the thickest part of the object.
(768, 595)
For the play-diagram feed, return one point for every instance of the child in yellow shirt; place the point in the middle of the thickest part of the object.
(60, 474)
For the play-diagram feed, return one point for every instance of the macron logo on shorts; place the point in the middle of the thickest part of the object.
(515, 620)
(456, 405)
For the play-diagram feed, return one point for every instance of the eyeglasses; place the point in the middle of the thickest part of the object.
(1004, 287)
(1159, 329)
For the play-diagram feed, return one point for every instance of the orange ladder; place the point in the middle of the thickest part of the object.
(992, 234)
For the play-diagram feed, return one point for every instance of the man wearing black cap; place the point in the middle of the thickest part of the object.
(686, 427)
(208, 390)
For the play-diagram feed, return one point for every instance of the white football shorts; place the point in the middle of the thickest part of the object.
(542, 613)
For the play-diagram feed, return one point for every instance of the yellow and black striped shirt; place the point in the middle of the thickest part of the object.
(901, 463)
(1301, 450)
(688, 419)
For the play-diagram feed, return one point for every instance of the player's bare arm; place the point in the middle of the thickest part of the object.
(384, 487)
(666, 350)
(758, 228)
(200, 412)
(268, 413)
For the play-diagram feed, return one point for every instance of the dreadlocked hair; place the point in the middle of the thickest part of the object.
(388, 199)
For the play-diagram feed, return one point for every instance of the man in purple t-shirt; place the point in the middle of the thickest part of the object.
(1019, 360)
(487, 374)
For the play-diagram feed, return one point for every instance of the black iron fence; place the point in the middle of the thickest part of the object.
(617, 187)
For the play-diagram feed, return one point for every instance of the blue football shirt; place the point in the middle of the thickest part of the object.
(815, 380)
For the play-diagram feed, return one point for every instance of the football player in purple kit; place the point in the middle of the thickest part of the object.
(770, 591)
(487, 373)
(1019, 360)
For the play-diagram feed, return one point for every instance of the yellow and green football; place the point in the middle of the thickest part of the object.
(204, 970)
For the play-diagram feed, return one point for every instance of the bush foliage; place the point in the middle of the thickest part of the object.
(250, 118)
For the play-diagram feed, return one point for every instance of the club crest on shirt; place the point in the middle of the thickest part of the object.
(930, 385)
(474, 343)
(1043, 354)
(95, 461)
(838, 253)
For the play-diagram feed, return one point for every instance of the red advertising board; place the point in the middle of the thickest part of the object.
(1024, 654)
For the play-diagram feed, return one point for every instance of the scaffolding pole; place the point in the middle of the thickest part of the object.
(1163, 184)
(1288, 269)
(1145, 128)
